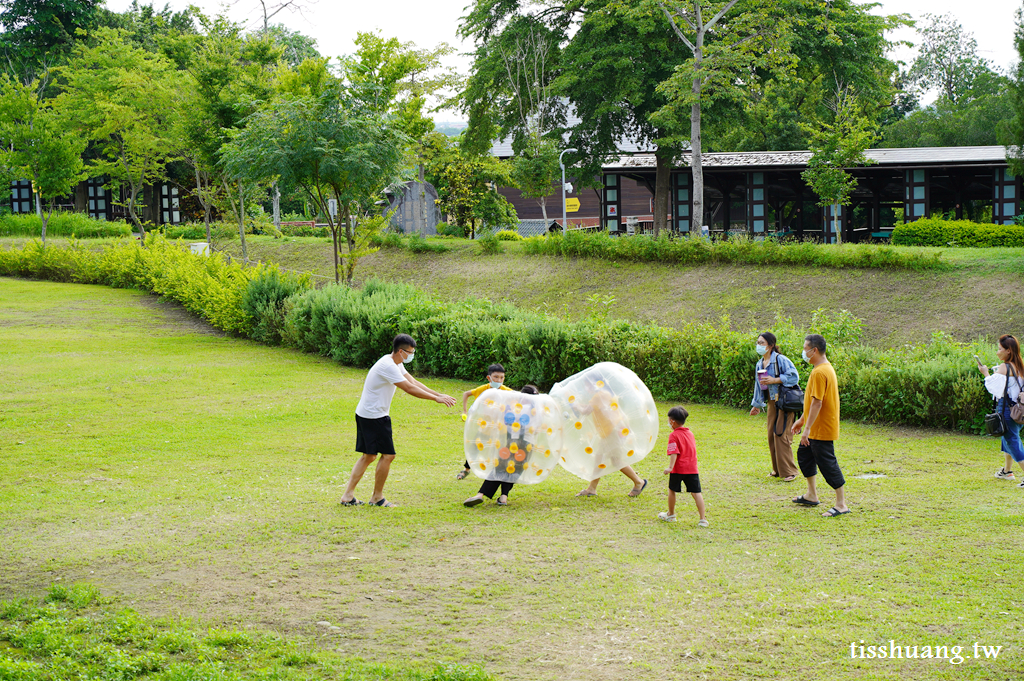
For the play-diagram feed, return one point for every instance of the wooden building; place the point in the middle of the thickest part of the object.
(760, 193)
(160, 204)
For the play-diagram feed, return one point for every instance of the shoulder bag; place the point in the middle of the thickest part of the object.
(790, 399)
(1017, 407)
(994, 424)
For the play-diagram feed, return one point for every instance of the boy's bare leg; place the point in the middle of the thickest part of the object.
(362, 463)
(671, 502)
(698, 498)
(590, 490)
(380, 476)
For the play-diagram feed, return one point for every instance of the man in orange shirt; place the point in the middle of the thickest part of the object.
(821, 411)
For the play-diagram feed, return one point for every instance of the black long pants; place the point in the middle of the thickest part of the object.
(491, 486)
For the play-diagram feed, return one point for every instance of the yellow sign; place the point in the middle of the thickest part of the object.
(572, 205)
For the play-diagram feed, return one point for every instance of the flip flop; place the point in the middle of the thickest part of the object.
(586, 493)
(352, 502)
(502, 503)
(462, 475)
(383, 503)
(637, 492)
(472, 501)
(805, 502)
(833, 512)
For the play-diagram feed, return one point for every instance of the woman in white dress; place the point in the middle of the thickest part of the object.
(1005, 383)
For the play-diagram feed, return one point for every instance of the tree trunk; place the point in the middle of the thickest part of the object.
(46, 219)
(836, 226)
(544, 209)
(277, 206)
(350, 240)
(131, 212)
(423, 199)
(334, 241)
(696, 165)
(663, 175)
(241, 223)
(203, 199)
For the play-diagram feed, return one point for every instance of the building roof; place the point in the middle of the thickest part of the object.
(796, 159)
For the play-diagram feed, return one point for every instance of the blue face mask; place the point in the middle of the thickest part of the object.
(761, 349)
(495, 384)
(409, 358)
(806, 358)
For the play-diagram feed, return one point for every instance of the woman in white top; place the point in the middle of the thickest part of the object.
(1008, 379)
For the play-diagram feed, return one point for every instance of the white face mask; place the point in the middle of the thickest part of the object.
(806, 358)
(409, 358)
(761, 349)
(495, 384)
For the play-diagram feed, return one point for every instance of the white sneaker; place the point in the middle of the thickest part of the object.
(1021, 485)
(703, 523)
(1003, 474)
(666, 517)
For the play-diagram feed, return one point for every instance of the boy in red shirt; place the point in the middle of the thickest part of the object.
(682, 466)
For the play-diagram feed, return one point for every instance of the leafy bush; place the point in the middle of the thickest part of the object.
(417, 244)
(264, 301)
(305, 230)
(963, 233)
(737, 250)
(387, 240)
(489, 244)
(445, 229)
(193, 231)
(76, 225)
(508, 235)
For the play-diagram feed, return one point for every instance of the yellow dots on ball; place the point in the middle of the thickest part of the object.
(515, 426)
(513, 448)
(540, 471)
(483, 466)
(533, 412)
(637, 387)
(547, 452)
(489, 402)
(550, 431)
(483, 423)
(510, 469)
(600, 384)
(572, 398)
(529, 448)
(519, 407)
(547, 410)
(480, 446)
(630, 453)
(602, 466)
(563, 458)
(625, 432)
(614, 405)
(579, 424)
(588, 450)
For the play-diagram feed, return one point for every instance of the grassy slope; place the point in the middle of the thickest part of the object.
(199, 476)
(897, 307)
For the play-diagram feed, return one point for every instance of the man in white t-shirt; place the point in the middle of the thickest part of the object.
(373, 423)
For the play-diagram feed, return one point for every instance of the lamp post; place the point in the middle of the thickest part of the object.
(564, 151)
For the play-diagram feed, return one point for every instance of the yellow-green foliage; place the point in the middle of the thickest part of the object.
(963, 233)
(508, 235)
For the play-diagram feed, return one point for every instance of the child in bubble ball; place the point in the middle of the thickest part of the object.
(496, 380)
(489, 487)
(682, 466)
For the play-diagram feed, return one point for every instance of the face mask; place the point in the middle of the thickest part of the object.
(495, 384)
(409, 358)
(761, 349)
(806, 358)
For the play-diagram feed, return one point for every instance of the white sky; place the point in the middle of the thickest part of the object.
(334, 23)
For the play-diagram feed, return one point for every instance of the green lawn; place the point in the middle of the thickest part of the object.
(194, 475)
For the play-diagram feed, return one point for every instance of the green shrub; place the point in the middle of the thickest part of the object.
(508, 235)
(417, 244)
(196, 231)
(489, 244)
(264, 301)
(305, 230)
(387, 240)
(963, 233)
(737, 250)
(61, 224)
(445, 229)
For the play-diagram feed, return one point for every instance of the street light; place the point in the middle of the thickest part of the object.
(564, 152)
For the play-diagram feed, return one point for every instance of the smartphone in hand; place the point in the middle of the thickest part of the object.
(978, 360)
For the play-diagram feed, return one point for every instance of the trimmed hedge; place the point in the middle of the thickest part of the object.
(934, 384)
(737, 250)
(961, 233)
(62, 224)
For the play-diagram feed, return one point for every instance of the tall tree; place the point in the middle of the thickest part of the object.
(727, 41)
(1013, 133)
(120, 96)
(38, 36)
(37, 143)
(838, 146)
(330, 149)
(948, 58)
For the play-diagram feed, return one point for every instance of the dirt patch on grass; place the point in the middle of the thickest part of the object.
(177, 318)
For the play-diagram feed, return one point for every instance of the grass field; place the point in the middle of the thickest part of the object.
(193, 475)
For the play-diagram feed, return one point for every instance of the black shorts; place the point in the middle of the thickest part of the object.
(373, 436)
(820, 456)
(691, 480)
